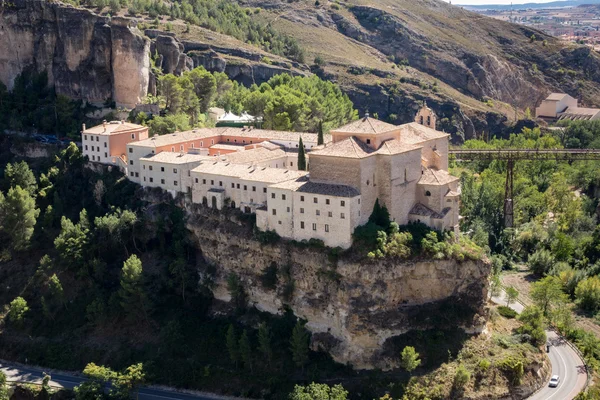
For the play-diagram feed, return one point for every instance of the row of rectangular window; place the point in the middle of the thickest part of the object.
(233, 185)
(330, 213)
(96, 148)
(314, 226)
(98, 138)
(315, 200)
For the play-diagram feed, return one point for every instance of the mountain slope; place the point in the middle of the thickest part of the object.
(479, 56)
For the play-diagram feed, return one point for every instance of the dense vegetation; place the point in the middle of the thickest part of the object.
(557, 233)
(217, 15)
(382, 238)
(104, 280)
(31, 104)
(283, 103)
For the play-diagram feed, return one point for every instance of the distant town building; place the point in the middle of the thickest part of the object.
(404, 167)
(230, 119)
(561, 106)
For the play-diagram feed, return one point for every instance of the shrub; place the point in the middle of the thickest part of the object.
(484, 365)
(587, 294)
(461, 378)
(507, 312)
(513, 369)
(541, 261)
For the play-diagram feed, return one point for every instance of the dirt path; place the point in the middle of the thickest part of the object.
(522, 280)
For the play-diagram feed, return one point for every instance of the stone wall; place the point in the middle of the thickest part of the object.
(353, 307)
(86, 56)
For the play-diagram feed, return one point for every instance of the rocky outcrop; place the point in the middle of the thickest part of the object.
(86, 56)
(353, 307)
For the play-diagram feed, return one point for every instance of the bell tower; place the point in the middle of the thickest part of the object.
(426, 117)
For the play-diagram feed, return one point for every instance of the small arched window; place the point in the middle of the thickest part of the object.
(428, 193)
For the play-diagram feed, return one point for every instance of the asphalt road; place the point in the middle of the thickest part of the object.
(566, 363)
(34, 375)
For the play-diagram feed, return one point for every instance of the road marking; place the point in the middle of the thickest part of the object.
(563, 380)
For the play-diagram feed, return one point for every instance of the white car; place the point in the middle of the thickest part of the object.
(554, 381)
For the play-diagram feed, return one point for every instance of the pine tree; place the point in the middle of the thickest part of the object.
(320, 138)
(232, 345)
(264, 342)
(299, 345)
(409, 359)
(245, 350)
(132, 293)
(301, 156)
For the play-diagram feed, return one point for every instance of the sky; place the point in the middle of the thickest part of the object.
(473, 2)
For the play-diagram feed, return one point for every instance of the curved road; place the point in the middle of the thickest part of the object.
(566, 363)
(19, 373)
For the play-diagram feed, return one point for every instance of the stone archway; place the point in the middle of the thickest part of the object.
(214, 202)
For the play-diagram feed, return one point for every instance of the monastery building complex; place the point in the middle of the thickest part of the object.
(256, 171)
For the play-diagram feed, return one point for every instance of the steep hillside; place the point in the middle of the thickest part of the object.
(478, 56)
(389, 56)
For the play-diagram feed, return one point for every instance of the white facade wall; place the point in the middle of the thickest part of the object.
(168, 176)
(405, 174)
(334, 223)
(134, 154)
(280, 211)
(434, 160)
(96, 147)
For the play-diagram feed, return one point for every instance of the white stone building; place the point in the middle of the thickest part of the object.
(405, 167)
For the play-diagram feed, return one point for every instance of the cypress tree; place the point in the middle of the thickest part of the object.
(301, 156)
(245, 350)
(299, 344)
(320, 138)
(264, 342)
(232, 345)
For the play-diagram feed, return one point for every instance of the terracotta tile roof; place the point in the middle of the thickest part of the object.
(366, 125)
(579, 113)
(250, 133)
(354, 148)
(175, 158)
(424, 211)
(112, 128)
(349, 148)
(396, 147)
(304, 185)
(432, 176)
(415, 133)
(257, 155)
(247, 172)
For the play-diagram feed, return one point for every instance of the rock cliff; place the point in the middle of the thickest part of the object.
(86, 56)
(353, 307)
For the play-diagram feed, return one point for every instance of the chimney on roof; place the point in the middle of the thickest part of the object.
(83, 126)
(366, 114)
(104, 125)
(122, 121)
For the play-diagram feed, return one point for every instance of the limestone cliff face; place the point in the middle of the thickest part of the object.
(87, 56)
(352, 307)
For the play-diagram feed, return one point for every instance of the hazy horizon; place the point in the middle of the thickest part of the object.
(494, 2)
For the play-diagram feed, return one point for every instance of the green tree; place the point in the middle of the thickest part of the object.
(56, 290)
(18, 216)
(232, 345)
(409, 359)
(547, 293)
(236, 291)
(264, 342)
(319, 391)
(380, 215)
(587, 294)
(320, 137)
(533, 325)
(132, 293)
(299, 344)
(18, 309)
(495, 286)
(245, 350)
(205, 86)
(3, 387)
(72, 242)
(171, 91)
(541, 261)
(461, 377)
(19, 174)
(511, 295)
(301, 156)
